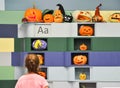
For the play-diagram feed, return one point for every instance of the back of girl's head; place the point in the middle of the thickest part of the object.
(32, 63)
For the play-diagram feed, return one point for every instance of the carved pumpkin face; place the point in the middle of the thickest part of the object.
(58, 16)
(48, 18)
(41, 59)
(83, 47)
(82, 16)
(82, 76)
(86, 31)
(115, 17)
(33, 15)
(43, 74)
(80, 60)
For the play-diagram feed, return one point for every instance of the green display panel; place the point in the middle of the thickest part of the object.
(106, 44)
(7, 83)
(11, 17)
(19, 44)
(6, 73)
(53, 44)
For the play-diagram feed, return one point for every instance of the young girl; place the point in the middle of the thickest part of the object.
(32, 79)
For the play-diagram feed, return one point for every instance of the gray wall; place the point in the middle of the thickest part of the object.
(68, 4)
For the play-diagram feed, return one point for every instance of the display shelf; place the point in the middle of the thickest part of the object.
(6, 44)
(8, 31)
(49, 58)
(5, 59)
(40, 44)
(7, 83)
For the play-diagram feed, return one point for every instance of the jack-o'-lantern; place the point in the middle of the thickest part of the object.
(83, 47)
(115, 17)
(80, 60)
(58, 16)
(33, 15)
(86, 30)
(43, 74)
(41, 59)
(82, 76)
(81, 16)
(48, 16)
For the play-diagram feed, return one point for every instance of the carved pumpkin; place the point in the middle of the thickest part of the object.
(58, 16)
(33, 15)
(80, 60)
(82, 76)
(97, 17)
(48, 18)
(115, 17)
(86, 30)
(83, 47)
(43, 74)
(41, 59)
(81, 16)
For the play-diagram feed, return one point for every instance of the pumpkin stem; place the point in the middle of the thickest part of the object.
(34, 5)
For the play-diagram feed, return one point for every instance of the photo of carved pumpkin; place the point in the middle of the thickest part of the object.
(86, 30)
(43, 74)
(115, 17)
(41, 59)
(58, 16)
(80, 60)
(83, 47)
(82, 16)
(33, 15)
(82, 76)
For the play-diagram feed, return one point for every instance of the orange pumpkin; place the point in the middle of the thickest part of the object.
(58, 16)
(41, 59)
(33, 15)
(48, 18)
(86, 30)
(82, 76)
(80, 60)
(115, 17)
(43, 74)
(83, 47)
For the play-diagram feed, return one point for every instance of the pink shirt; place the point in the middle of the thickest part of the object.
(31, 81)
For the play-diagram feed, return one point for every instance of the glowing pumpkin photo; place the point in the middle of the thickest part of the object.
(43, 74)
(82, 76)
(83, 47)
(80, 60)
(41, 59)
(33, 15)
(86, 30)
(58, 16)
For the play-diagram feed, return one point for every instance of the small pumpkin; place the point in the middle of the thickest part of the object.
(58, 16)
(83, 47)
(43, 74)
(48, 16)
(82, 76)
(33, 14)
(86, 30)
(115, 17)
(80, 60)
(41, 59)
